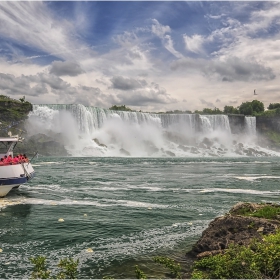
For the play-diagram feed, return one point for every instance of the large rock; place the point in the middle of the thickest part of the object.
(233, 228)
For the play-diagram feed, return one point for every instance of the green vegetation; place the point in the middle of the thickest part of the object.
(176, 112)
(13, 112)
(68, 269)
(273, 136)
(174, 268)
(251, 108)
(266, 212)
(258, 260)
(230, 110)
(139, 273)
(208, 111)
(273, 106)
(120, 108)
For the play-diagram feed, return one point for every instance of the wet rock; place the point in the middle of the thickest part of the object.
(207, 142)
(98, 143)
(202, 146)
(150, 147)
(240, 145)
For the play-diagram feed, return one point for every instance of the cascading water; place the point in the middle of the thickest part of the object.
(250, 125)
(91, 131)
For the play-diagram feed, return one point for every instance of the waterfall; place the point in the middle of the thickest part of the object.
(250, 125)
(215, 122)
(102, 132)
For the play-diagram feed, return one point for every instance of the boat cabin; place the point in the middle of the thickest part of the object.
(7, 145)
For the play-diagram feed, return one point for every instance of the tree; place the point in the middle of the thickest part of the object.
(214, 111)
(246, 108)
(22, 100)
(230, 110)
(120, 108)
(257, 106)
(273, 106)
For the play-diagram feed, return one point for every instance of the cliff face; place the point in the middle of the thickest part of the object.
(265, 124)
(268, 129)
(237, 123)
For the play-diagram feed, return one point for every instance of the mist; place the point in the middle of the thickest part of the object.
(91, 131)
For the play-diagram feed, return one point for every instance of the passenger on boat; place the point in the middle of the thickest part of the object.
(15, 160)
(5, 160)
(25, 158)
(2, 161)
(9, 159)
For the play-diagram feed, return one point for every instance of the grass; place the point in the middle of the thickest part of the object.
(266, 212)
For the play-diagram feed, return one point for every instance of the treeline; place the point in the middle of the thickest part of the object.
(252, 108)
(249, 108)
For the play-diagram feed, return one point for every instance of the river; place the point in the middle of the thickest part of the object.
(126, 210)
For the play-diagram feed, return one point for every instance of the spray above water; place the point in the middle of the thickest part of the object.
(91, 131)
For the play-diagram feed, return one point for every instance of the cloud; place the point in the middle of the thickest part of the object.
(208, 104)
(122, 83)
(159, 29)
(65, 68)
(32, 85)
(92, 95)
(168, 44)
(19, 23)
(232, 69)
(153, 94)
(194, 43)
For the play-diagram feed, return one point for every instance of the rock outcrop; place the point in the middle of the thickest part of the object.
(233, 228)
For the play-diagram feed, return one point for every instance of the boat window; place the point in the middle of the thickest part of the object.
(4, 146)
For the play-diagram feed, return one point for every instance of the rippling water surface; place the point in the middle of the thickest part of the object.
(126, 210)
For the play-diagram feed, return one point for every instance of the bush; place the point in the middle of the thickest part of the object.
(68, 269)
(259, 260)
(174, 268)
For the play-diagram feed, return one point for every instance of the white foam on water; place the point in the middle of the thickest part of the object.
(107, 203)
(5, 202)
(251, 178)
(144, 242)
(249, 191)
(51, 162)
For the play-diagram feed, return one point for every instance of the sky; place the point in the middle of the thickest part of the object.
(150, 56)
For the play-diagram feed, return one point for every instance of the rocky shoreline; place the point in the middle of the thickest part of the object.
(232, 228)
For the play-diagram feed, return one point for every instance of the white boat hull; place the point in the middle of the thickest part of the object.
(12, 176)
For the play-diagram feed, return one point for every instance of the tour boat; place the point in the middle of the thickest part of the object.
(15, 174)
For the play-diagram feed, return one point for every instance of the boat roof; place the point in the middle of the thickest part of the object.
(8, 139)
